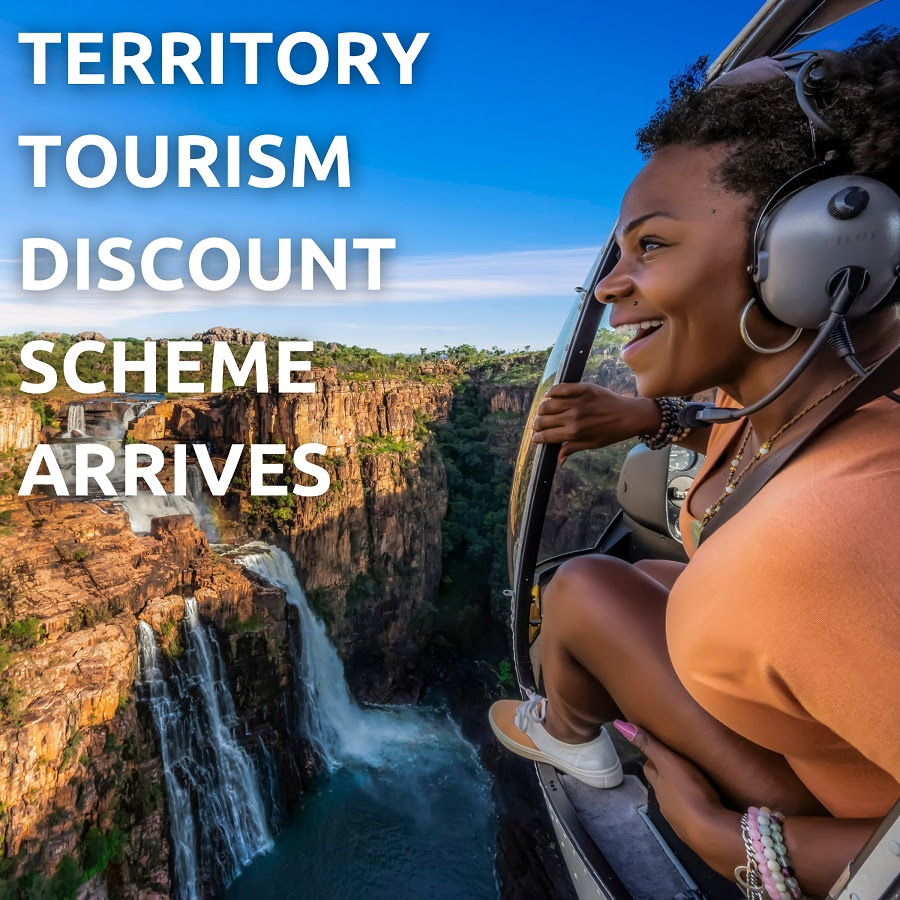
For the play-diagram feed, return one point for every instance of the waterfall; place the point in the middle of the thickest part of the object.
(144, 506)
(134, 411)
(339, 729)
(169, 726)
(203, 515)
(75, 420)
(216, 811)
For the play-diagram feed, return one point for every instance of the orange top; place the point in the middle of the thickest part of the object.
(785, 624)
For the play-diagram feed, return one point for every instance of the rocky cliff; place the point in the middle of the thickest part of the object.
(80, 776)
(368, 552)
(20, 424)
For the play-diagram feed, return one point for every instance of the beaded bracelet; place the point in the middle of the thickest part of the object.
(669, 430)
(748, 877)
(770, 854)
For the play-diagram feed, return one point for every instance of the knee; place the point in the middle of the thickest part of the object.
(585, 583)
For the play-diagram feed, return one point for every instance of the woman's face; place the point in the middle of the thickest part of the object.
(683, 241)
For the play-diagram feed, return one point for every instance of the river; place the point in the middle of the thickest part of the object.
(404, 808)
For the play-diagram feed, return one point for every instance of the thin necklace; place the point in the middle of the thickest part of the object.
(731, 482)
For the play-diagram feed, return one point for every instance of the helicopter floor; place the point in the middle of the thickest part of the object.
(616, 819)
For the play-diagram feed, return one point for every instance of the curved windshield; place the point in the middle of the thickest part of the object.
(583, 496)
(526, 455)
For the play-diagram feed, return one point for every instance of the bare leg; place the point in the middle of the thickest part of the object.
(604, 654)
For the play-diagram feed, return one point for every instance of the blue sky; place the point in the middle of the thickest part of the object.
(498, 171)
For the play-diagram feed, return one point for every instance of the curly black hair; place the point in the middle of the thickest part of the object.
(768, 134)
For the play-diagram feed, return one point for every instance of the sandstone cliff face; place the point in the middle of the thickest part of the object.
(76, 752)
(20, 425)
(368, 551)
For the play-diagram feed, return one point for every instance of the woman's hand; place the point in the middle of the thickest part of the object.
(583, 416)
(820, 846)
(689, 802)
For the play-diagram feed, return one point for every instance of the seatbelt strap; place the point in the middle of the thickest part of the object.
(884, 377)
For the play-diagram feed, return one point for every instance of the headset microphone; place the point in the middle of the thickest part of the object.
(825, 248)
(850, 282)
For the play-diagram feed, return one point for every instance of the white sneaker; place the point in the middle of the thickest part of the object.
(518, 726)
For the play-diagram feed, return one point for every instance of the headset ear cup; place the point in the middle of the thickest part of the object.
(804, 240)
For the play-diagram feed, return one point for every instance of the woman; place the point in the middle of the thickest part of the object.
(766, 670)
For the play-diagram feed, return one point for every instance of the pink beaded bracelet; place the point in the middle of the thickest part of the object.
(772, 859)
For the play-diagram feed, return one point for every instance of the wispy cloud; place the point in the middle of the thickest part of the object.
(424, 279)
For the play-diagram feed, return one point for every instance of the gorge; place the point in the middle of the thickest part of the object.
(122, 626)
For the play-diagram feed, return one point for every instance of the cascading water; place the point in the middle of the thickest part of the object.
(75, 420)
(166, 715)
(203, 515)
(216, 810)
(338, 728)
(406, 811)
(144, 506)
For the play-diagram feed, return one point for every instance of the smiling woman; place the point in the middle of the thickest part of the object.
(724, 665)
(676, 242)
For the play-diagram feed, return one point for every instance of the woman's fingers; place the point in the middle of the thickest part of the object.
(556, 420)
(558, 434)
(551, 406)
(644, 741)
(570, 447)
(575, 389)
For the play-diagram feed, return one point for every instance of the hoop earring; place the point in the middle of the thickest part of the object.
(745, 336)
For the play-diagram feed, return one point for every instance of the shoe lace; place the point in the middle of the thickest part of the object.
(529, 710)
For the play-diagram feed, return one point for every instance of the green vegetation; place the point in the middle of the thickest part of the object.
(100, 849)
(44, 413)
(22, 633)
(172, 643)
(350, 362)
(241, 626)
(505, 674)
(421, 429)
(270, 512)
(70, 748)
(15, 464)
(63, 885)
(376, 444)
(362, 595)
(518, 368)
(320, 604)
(474, 529)
(11, 699)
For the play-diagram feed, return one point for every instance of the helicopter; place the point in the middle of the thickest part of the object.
(616, 844)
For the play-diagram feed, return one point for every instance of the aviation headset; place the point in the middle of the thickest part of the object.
(826, 245)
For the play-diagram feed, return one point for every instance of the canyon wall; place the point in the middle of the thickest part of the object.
(368, 551)
(20, 424)
(81, 779)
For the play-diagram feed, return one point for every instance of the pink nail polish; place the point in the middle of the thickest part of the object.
(625, 728)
